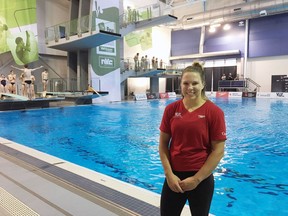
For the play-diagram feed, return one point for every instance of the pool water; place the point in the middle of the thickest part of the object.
(121, 140)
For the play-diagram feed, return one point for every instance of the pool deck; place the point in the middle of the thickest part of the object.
(35, 183)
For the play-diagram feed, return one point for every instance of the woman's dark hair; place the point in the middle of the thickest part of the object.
(196, 67)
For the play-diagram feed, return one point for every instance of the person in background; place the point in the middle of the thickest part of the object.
(223, 77)
(142, 63)
(27, 73)
(153, 62)
(136, 61)
(12, 80)
(156, 63)
(3, 83)
(23, 85)
(146, 63)
(32, 87)
(230, 77)
(44, 76)
(191, 144)
(161, 64)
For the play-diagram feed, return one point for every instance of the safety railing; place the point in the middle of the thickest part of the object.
(238, 85)
(128, 64)
(139, 14)
(251, 85)
(91, 23)
(61, 85)
(85, 24)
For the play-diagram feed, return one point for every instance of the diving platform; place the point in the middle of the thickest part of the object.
(155, 21)
(48, 99)
(17, 102)
(13, 97)
(78, 97)
(141, 73)
(85, 41)
(143, 24)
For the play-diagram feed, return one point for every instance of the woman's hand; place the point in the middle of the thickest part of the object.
(189, 184)
(173, 183)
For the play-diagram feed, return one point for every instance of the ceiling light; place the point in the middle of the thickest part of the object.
(241, 23)
(226, 27)
(212, 29)
(215, 25)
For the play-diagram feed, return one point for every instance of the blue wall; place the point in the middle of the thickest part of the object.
(221, 40)
(268, 36)
(185, 42)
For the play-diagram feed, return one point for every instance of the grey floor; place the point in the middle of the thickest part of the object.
(29, 186)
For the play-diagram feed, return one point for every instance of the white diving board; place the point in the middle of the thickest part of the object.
(14, 96)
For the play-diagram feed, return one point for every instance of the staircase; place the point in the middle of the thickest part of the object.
(251, 85)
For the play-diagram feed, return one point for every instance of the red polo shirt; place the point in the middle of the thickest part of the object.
(192, 133)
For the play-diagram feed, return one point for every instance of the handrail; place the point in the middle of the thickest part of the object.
(128, 64)
(139, 14)
(253, 82)
(89, 23)
(78, 26)
(250, 81)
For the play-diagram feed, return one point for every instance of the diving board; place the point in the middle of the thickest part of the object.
(155, 21)
(14, 96)
(86, 41)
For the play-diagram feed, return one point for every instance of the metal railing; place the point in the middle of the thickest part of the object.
(139, 14)
(76, 27)
(251, 85)
(238, 85)
(60, 85)
(91, 23)
(128, 64)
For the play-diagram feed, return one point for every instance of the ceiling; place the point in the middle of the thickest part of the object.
(197, 13)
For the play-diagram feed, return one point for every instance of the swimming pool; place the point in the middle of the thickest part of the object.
(121, 140)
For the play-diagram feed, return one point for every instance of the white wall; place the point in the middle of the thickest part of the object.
(161, 46)
(261, 69)
(141, 84)
(138, 85)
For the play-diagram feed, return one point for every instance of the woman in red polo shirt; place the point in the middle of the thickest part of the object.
(191, 144)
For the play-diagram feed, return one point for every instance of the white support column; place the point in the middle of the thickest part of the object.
(246, 48)
(202, 37)
(78, 71)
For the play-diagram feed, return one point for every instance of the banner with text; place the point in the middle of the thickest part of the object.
(105, 59)
(18, 30)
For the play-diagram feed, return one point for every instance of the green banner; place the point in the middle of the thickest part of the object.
(106, 57)
(142, 37)
(18, 29)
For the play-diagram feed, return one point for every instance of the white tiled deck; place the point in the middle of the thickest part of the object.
(30, 190)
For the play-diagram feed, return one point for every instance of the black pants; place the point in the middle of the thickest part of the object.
(199, 199)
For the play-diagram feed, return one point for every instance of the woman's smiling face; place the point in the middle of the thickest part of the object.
(191, 85)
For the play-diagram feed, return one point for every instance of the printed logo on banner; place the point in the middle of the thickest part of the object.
(172, 94)
(263, 95)
(140, 97)
(151, 96)
(235, 94)
(279, 94)
(106, 62)
(164, 95)
(222, 94)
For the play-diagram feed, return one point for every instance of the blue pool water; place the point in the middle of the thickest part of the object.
(121, 140)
